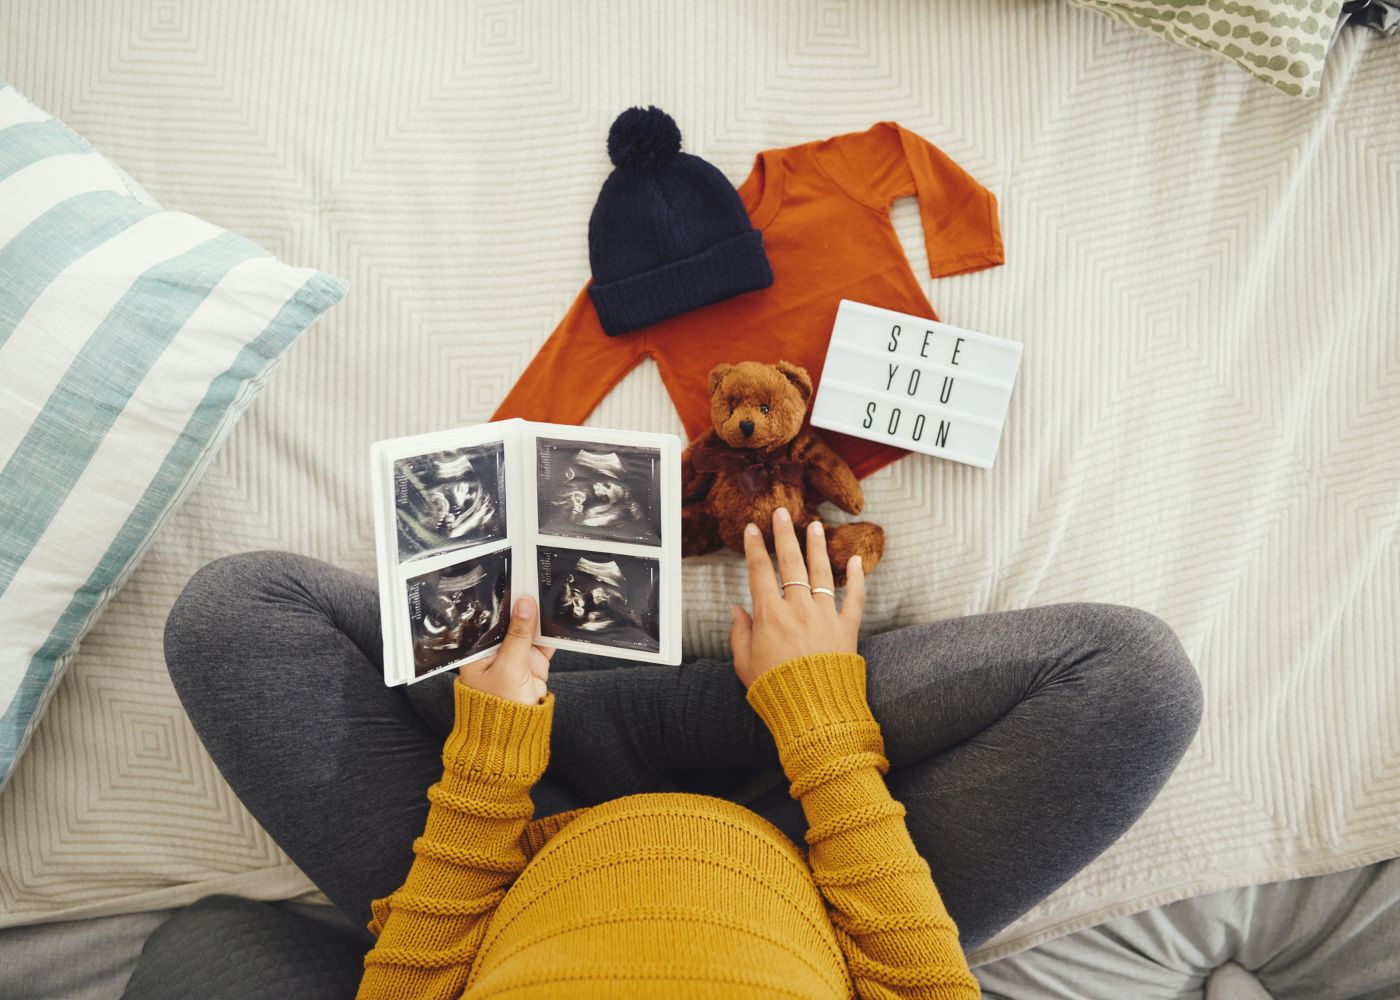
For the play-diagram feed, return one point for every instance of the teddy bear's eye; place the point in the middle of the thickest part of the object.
(762, 407)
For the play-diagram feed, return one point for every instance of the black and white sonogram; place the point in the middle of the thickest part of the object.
(458, 610)
(591, 490)
(613, 600)
(445, 499)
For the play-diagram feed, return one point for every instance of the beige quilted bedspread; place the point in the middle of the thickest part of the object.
(1206, 424)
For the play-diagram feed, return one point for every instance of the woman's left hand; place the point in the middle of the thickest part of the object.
(520, 670)
(793, 621)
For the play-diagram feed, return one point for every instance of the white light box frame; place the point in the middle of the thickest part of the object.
(916, 383)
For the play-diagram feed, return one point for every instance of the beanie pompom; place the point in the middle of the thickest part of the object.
(643, 137)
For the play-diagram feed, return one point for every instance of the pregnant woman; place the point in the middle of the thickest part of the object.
(550, 825)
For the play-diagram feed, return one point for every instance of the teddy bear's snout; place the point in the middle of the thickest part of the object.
(746, 426)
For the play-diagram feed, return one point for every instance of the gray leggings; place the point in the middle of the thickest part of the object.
(1022, 743)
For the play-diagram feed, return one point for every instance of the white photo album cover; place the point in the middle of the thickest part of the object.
(585, 520)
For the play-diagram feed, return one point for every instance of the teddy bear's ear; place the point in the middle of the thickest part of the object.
(798, 376)
(717, 374)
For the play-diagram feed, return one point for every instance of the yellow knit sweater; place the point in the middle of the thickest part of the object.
(673, 895)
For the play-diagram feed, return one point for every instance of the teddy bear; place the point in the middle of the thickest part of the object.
(758, 458)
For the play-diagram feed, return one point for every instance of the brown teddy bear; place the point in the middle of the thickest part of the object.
(755, 461)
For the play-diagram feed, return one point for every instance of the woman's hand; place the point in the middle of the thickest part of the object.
(793, 621)
(520, 670)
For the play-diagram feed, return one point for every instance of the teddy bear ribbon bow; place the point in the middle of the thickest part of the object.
(756, 472)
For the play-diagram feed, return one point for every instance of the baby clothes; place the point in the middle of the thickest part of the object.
(823, 208)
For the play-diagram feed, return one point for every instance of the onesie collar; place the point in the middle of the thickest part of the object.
(762, 190)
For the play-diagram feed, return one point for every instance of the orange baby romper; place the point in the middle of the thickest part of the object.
(823, 208)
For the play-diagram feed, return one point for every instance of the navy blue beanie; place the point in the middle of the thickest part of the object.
(669, 232)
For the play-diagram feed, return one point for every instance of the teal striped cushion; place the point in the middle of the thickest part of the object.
(131, 340)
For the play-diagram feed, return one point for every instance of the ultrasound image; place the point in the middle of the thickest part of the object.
(604, 598)
(459, 610)
(605, 491)
(449, 499)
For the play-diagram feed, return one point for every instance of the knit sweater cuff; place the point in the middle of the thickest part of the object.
(816, 699)
(809, 691)
(496, 739)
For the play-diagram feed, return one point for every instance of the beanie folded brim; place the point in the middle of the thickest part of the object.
(721, 271)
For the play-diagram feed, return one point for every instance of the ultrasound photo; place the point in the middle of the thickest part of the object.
(458, 610)
(612, 600)
(447, 499)
(607, 491)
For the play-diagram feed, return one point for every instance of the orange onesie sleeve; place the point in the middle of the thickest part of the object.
(577, 366)
(887, 161)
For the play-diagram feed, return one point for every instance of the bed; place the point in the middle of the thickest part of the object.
(1201, 271)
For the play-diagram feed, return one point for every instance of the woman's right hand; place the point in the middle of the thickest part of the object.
(793, 621)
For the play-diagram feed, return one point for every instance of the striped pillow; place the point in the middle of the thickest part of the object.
(131, 340)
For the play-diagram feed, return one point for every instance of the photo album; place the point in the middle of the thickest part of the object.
(584, 520)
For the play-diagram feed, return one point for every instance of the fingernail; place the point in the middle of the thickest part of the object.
(783, 515)
(751, 529)
(855, 560)
(816, 527)
(524, 607)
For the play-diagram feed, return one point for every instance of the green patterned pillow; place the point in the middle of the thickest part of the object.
(1282, 42)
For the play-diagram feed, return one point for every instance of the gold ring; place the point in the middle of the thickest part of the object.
(825, 590)
(796, 583)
